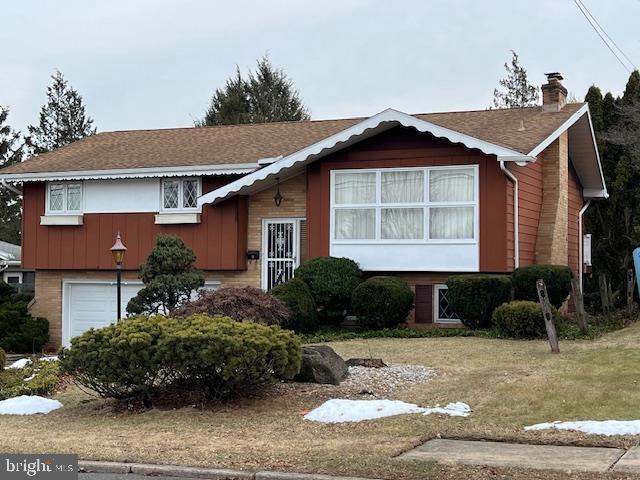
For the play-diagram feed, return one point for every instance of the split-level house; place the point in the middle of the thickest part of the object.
(419, 196)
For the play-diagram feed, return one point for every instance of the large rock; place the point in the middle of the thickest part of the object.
(320, 364)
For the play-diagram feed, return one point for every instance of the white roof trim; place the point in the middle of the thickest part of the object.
(390, 116)
(146, 172)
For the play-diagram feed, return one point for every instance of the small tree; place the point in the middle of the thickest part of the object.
(11, 151)
(62, 119)
(518, 92)
(169, 278)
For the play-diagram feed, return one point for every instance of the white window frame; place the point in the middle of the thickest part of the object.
(7, 275)
(426, 205)
(436, 307)
(65, 210)
(180, 181)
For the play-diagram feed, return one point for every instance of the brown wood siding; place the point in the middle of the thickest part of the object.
(424, 304)
(530, 204)
(576, 200)
(219, 241)
(406, 148)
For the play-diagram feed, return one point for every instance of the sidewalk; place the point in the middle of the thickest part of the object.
(543, 457)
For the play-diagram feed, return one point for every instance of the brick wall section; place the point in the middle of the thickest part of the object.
(48, 294)
(551, 245)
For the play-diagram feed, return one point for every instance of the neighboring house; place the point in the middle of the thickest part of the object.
(419, 196)
(11, 271)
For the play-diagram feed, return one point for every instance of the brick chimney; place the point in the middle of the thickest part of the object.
(554, 95)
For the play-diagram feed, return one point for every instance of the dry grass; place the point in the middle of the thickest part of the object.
(509, 384)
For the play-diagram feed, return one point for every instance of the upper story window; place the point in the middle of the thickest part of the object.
(64, 198)
(180, 194)
(433, 204)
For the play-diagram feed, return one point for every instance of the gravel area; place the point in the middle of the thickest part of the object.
(363, 382)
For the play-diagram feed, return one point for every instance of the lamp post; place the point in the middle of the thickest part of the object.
(118, 251)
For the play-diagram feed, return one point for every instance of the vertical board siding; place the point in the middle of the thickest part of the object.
(219, 241)
(576, 200)
(406, 148)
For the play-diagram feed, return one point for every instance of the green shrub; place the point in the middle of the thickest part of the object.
(557, 278)
(39, 378)
(240, 303)
(520, 319)
(3, 359)
(147, 357)
(475, 297)
(332, 282)
(382, 302)
(19, 331)
(297, 296)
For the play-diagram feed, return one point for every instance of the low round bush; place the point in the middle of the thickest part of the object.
(332, 282)
(557, 278)
(475, 297)
(382, 302)
(147, 358)
(248, 304)
(520, 319)
(38, 378)
(296, 294)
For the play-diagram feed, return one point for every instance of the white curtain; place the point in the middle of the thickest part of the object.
(403, 187)
(355, 224)
(451, 223)
(455, 185)
(354, 188)
(402, 223)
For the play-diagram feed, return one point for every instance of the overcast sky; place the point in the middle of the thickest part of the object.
(155, 63)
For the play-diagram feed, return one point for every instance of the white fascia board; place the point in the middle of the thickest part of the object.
(330, 143)
(146, 172)
(565, 126)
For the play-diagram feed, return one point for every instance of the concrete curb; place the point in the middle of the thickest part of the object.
(89, 466)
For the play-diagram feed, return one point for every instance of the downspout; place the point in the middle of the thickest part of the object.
(581, 243)
(516, 229)
(11, 188)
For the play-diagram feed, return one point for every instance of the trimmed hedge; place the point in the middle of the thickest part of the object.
(146, 358)
(332, 282)
(382, 302)
(520, 319)
(240, 303)
(296, 294)
(475, 297)
(557, 278)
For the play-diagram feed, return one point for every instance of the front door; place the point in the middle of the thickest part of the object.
(280, 251)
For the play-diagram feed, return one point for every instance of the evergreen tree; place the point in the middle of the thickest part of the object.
(518, 92)
(614, 222)
(169, 278)
(62, 119)
(11, 151)
(267, 95)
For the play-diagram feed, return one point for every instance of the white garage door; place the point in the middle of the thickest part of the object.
(92, 305)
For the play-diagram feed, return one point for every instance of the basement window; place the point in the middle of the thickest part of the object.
(442, 310)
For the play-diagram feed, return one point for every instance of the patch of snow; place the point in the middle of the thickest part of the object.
(457, 409)
(23, 362)
(593, 427)
(341, 410)
(28, 405)
(30, 378)
(50, 358)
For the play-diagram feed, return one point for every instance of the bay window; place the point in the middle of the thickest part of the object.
(180, 194)
(406, 205)
(64, 198)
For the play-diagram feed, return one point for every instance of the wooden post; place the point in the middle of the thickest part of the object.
(604, 293)
(631, 281)
(547, 313)
(578, 301)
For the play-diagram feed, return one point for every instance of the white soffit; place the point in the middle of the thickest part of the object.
(385, 120)
(146, 172)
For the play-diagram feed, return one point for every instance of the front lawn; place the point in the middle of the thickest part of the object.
(509, 384)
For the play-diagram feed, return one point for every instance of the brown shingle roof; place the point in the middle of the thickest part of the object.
(237, 144)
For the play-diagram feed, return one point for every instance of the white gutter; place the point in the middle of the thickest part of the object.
(516, 221)
(581, 242)
(11, 188)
